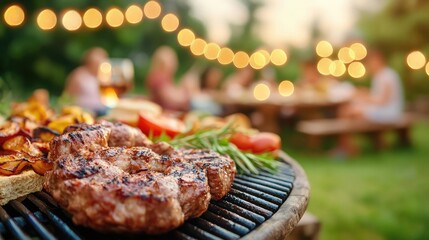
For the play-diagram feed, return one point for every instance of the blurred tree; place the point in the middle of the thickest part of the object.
(401, 27)
(32, 58)
(240, 33)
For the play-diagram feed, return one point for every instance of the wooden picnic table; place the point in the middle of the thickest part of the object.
(271, 109)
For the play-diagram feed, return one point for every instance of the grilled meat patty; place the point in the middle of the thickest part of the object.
(111, 177)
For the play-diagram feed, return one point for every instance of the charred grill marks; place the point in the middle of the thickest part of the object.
(111, 177)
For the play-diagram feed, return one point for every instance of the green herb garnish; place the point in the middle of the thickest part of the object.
(218, 140)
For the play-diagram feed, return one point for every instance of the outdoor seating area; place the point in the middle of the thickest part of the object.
(214, 119)
(316, 129)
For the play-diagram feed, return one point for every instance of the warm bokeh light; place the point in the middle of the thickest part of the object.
(427, 68)
(46, 20)
(72, 20)
(114, 17)
(337, 68)
(346, 55)
(152, 9)
(105, 72)
(416, 60)
(226, 56)
(261, 92)
(286, 88)
(278, 57)
(359, 50)
(92, 18)
(14, 15)
(266, 54)
(356, 70)
(134, 14)
(198, 46)
(185, 37)
(324, 49)
(323, 66)
(257, 60)
(241, 59)
(170, 22)
(211, 51)
(106, 68)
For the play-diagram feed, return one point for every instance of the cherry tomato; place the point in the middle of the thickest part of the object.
(265, 142)
(158, 124)
(242, 141)
(258, 143)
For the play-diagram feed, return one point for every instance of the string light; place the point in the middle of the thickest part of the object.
(152, 9)
(72, 20)
(337, 68)
(359, 50)
(114, 17)
(261, 92)
(427, 68)
(46, 20)
(266, 54)
(134, 14)
(257, 60)
(170, 22)
(105, 71)
(211, 51)
(198, 46)
(14, 16)
(346, 55)
(286, 88)
(356, 70)
(324, 49)
(92, 18)
(241, 59)
(226, 56)
(278, 57)
(323, 66)
(416, 60)
(185, 37)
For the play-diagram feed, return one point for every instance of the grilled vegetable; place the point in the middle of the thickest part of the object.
(8, 130)
(44, 134)
(152, 125)
(22, 144)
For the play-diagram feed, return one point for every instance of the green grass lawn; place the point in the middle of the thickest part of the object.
(377, 195)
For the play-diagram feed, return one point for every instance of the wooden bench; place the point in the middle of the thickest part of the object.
(316, 129)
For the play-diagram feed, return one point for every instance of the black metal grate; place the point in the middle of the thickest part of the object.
(252, 200)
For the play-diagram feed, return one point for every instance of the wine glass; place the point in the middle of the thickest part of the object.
(116, 77)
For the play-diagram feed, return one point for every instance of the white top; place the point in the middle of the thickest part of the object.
(390, 111)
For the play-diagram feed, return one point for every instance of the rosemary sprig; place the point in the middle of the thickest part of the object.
(218, 140)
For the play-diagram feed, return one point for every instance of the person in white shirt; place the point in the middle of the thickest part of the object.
(382, 103)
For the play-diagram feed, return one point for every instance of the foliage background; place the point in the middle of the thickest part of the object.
(32, 58)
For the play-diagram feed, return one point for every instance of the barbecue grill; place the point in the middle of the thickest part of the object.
(264, 206)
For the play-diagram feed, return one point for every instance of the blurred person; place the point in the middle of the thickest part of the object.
(82, 83)
(160, 81)
(239, 82)
(310, 76)
(267, 77)
(312, 80)
(41, 96)
(382, 103)
(210, 79)
(203, 99)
